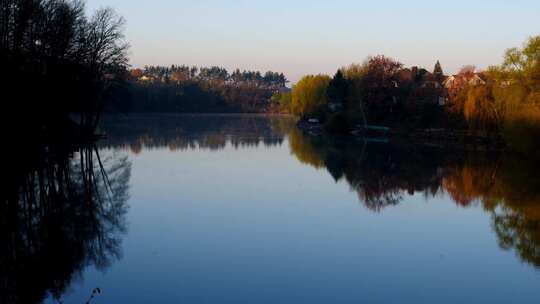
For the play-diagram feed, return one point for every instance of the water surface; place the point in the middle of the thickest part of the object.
(247, 209)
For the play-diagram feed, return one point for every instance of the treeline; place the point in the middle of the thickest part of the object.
(56, 60)
(379, 91)
(183, 73)
(184, 89)
(501, 102)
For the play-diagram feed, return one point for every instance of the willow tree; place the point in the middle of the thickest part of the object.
(517, 91)
(309, 94)
(481, 110)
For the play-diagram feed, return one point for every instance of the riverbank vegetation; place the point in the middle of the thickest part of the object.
(57, 61)
(184, 89)
(500, 103)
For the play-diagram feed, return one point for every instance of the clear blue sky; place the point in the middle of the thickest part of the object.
(300, 37)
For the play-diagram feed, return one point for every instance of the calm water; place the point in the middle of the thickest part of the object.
(246, 209)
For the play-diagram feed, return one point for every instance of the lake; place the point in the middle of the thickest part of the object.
(248, 209)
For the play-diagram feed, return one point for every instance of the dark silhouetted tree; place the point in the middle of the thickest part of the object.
(337, 89)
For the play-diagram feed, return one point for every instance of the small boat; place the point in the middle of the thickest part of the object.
(370, 130)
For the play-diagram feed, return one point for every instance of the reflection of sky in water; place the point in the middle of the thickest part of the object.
(254, 225)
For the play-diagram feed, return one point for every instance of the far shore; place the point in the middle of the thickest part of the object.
(196, 114)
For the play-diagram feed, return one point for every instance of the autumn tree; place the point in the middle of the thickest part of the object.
(136, 73)
(467, 69)
(517, 89)
(309, 94)
(481, 109)
(381, 70)
(505, 99)
(281, 102)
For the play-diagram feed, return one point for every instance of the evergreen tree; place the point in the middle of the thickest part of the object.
(337, 89)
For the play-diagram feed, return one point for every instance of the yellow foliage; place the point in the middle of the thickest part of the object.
(304, 150)
(309, 94)
(510, 100)
(522, 128)
(481, 110)
(355, 71)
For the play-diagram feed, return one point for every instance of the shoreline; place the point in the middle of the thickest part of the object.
(435, 138)
(257, 114)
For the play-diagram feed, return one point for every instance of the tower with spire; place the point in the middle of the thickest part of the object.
(438, 71)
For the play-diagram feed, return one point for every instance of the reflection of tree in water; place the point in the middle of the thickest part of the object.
(58, 216)
(379, 173)
(517, 231)
(509, 189)
(506, 186)
(189, 132)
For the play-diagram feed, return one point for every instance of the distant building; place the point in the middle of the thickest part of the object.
(461, 80)
(455, 83)
(438, 72)
(146, 78)
(430, 80)
(425, 87)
